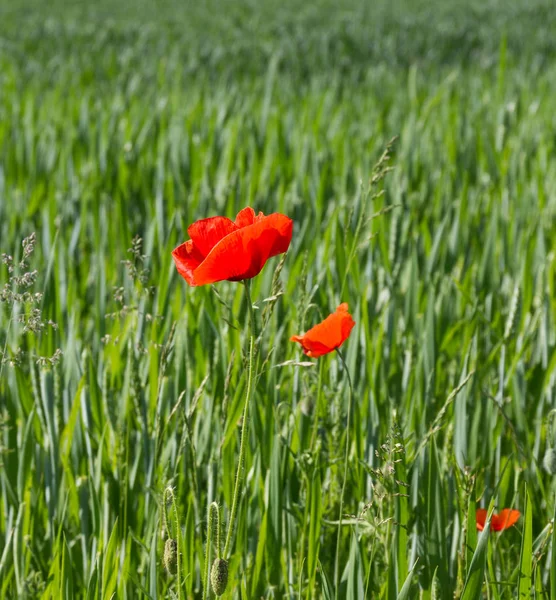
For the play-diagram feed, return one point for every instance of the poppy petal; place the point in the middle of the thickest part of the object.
(243, 253)
(480, 518)
(206, 233)
(334, 330)
(247, 217)
(347, 322)
(499, 522)
(507, 518)
(311, 348)
(327, 335)
(187, 258)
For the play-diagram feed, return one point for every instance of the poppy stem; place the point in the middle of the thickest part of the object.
(317, 409)
(244, 424)
(337, 561)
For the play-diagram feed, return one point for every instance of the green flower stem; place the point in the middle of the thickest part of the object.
(317, 409)
(244, 424)
(337, 563)
(165, 519)
(218, 536)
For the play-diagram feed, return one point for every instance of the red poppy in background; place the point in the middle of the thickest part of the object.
(327, 335)
(505, 519)
(221, 249)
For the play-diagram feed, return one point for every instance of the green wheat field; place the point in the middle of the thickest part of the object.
(413, 143)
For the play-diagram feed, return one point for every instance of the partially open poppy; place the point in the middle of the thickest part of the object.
(505, 519)
(221, 249)
(327, 335)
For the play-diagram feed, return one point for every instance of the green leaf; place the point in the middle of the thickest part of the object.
(110, 565)
(406, 588)
(471, 539)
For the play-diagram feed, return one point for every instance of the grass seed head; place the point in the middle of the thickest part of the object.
(219, 576)
(170, 558)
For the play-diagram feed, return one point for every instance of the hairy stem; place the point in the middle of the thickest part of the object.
(337, 562)
(244, 425)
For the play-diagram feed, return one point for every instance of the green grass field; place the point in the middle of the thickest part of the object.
(122, 388)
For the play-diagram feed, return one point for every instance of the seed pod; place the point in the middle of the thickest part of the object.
(549, 461)
(170, 558)
(219, 576)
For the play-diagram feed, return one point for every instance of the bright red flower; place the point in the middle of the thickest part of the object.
(221, 249)
(505, 519)
(327, 335)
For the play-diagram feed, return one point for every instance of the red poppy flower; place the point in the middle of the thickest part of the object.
(328, 335)
(505, 519)
(221, 249)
